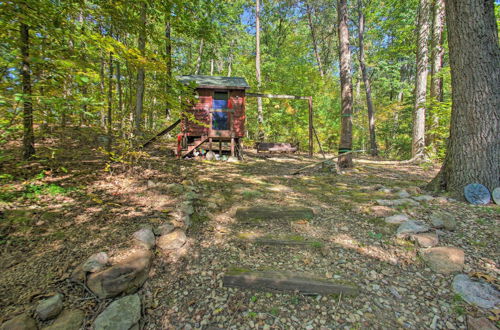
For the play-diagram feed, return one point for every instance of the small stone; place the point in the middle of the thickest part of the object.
(443, 220)
(481, 323)
(411, 227)
(210, 155)
(68, 320)
(403, 194)
(381, 211)
(187, 208)
(397, 219)
(123, 313)
(395, 293)
(151, 184)
(423, 198)
(20, 322)
(426, 239)
(444, 260)
(441, 200)
(95, 262)
(396, 202)
(172, 241)
(191, 195)
(127, 276)
(174, 188)
(414, 190)
(232, 159)
(144, 238)
(49, 308)
(478, 293)
(164, 229)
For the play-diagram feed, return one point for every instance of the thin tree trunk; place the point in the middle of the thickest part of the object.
(120, 93)
(212, 67)
(366, 81)
(345, 86)
(418, 139)
(198, 60)
(28, 131)
(473, 151)
(110, 102)
(315, 43)
(168, 58)
(437, 53)
(101, 89)
(141, 74)
(260, 114)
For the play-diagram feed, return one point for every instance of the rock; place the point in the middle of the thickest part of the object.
(187, 208)
(232, 159)
(172, 241)
(423, 198)
(122, 314)
(68, 320)
(478, 293)
(414, 190)
(95, 262)
(444, 259)
(127, 276)
(403, 194)
(210, 155)
(164, 229)
(381, 211)
(443, 220)
(481, 323)
(411, 227)
(78, 274)
(144, 238)
(396, 202)
(49, 308)
(174, 188)
(426, 239)
(274, 213)
(397, 219)
(20, 322)
(191, 195)
(151, 184)
(441, 200)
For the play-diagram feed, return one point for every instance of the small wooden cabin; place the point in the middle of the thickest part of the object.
(217, 116)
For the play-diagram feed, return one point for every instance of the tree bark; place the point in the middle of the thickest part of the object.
(168, 57)
(119, 90)
(473, 151)
(198, 60)
(345, 86)
(260, 114)
(315, 43)
(418, 139)
(28, 131)
(366, 81)
(141, 74)
(110, 102)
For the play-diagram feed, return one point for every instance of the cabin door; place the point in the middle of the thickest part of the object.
(220, 114)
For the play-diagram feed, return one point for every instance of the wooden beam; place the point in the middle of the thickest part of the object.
(165, 131)
(283, 281)
(277, 96)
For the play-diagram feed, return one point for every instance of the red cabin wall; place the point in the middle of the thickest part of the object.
(237, 103)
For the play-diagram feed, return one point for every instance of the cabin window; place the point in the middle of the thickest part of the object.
(220, 100)
(220, 120)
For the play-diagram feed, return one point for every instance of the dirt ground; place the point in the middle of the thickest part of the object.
(67, 205)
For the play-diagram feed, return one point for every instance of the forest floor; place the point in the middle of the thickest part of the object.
(58, 210)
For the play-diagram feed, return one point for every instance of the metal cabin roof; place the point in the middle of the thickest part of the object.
(215, 81)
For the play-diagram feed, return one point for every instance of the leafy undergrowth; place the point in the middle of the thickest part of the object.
(56, 211)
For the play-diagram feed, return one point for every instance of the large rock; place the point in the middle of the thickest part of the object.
(49, 308)
(122, 314)
(444, 259)
(403, 194)
(481, 323)
(397, 202)
(426, 239)
(144, 238)
(423, 198)
(164, 229)
(288, 213)
(397, 219)
(443, 220)
(95, 262)
(20, 322)
(172, 241)
(125, 277)
(187, 208)
(68, 320)
(478, 293)
(411, 227)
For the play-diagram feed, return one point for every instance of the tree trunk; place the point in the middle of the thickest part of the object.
(28, 131)
(437, 52)
(101, 89)
(473, 151)
(260, 114)
(418, 140)
(139, 100)
(315, 43)
(366, 81)
(110, 102)
(345, 86)
(168, 58)
(120, 94)
(198, 60)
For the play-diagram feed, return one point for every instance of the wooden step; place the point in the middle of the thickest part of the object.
(286, 281)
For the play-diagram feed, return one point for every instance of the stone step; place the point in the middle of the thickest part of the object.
(286, 281)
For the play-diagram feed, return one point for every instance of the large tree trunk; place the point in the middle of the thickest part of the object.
(345, 86)
(366, 81)
(314, 40)
(260, 114)
(473, 152)
(28, 131)
(418, 140)
(141, 74)
(437, 52)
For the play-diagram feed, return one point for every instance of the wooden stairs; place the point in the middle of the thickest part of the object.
(196, 144)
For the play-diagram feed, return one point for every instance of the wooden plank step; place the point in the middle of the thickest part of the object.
(285, 281)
